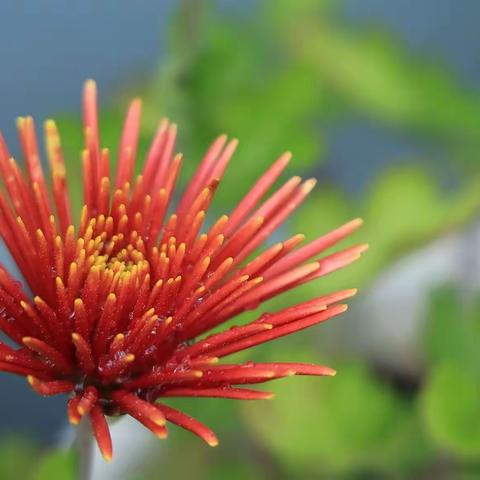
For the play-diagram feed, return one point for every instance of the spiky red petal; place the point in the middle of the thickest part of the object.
(122, 302)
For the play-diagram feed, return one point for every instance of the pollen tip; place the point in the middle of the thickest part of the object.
(90, 83)
(212, 360)
(160, 421)
(107, 456)
(30, 379)
(363, 247)
(269, 396)
(301, 236)
(75, 337)
(267, 326)
(130, 358)
(309, 185)
(212, 442)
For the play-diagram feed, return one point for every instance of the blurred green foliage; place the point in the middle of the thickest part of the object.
(402, 209)
(22, 459)
(451, 396)
(15, 458)
(56, 465)
(276, 78)
(353, 423)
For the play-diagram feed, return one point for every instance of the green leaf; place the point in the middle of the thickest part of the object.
(452, 332)
(449, 404)
(373, 73)
(16, 456)
(350, 423)
(56, 465)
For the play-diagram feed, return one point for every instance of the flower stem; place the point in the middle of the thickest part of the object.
(84, 445)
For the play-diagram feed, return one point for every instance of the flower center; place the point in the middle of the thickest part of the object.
(119, 254)
(124, 260)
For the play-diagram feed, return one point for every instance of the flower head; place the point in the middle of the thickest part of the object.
(121, 303)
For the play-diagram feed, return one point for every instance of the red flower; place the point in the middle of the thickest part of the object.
(121, 303)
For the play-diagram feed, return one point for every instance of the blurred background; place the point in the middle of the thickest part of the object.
(381, 102)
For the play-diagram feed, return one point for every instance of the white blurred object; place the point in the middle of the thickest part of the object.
(386, 321)
(132, 445)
